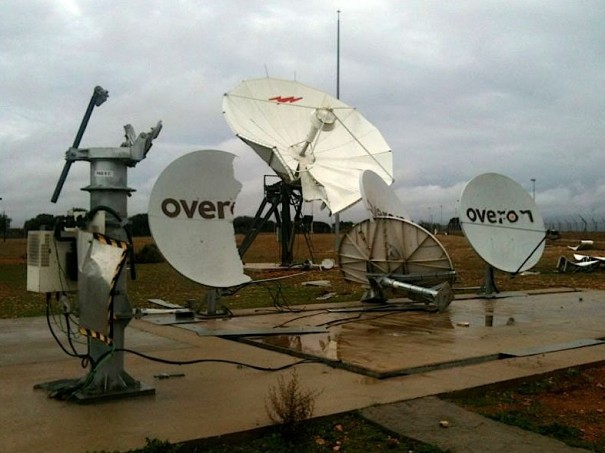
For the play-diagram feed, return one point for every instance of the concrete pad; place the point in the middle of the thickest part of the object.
(384, 344)
(217, 398)
(466, 432)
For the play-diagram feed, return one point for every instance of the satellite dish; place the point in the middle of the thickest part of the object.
(308, 138)
(396, 247)
(191, 218)
(379, 198)
(502, 222)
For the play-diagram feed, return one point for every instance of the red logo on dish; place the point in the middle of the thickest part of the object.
(288, 100)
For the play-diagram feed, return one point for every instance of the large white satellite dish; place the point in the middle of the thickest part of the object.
(308, 138)
(191, 218)
(393, 246)
(396, 253)
(502, 222)
(379, 198)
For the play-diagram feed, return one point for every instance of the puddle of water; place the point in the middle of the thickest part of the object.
(384, 342)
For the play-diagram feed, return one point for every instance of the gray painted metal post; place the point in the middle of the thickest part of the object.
(109, 191)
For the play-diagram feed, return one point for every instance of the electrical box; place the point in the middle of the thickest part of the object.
(51, 264)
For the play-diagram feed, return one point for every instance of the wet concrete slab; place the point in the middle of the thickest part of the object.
(28, 340)
(212, 398)
(382, 343)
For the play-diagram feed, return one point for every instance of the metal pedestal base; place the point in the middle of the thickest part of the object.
(72, 390)
(489, 290)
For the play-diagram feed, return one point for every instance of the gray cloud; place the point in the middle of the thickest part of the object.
(456, 88)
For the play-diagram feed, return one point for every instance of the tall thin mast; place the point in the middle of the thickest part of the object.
(337, 216)
(338, 54)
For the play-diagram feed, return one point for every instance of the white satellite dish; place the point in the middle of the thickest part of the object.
(191, 218)
(393, 246)
(308, 138)
(396, 253)
(502, 222)
(379, 198)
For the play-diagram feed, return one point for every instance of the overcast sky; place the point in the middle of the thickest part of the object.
(457, 88)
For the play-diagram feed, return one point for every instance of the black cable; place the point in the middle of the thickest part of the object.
(339, 322)
(67, 327)
(52, 331)
(95, 364)
(69, 340)
(195, 361)
(316, 312)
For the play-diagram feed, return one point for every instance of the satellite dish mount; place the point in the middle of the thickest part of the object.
(108, 192)
(280, 200)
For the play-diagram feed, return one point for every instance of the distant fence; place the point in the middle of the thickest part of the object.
(562, 224)
(576, 223)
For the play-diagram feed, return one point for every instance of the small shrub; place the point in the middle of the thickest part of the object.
(151, 446)
(288, 403)
(158, 446)
(149, 254)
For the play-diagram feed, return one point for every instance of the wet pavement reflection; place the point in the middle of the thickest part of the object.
(383, 344)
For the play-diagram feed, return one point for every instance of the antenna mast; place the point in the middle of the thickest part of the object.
(337, 215)
(338, 54)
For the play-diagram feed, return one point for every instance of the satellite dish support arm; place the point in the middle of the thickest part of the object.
(257, 224)
(313, 132)
(99, 96)
(280, 197)
(532, 252)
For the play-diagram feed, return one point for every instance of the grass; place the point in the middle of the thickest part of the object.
(343, 432)
(346, 432)
(161, 281)
(15, 301)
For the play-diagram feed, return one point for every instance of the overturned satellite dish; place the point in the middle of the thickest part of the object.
(191, 218)
(379, 198)
(309, 138)
(394, 247)
(502, 222)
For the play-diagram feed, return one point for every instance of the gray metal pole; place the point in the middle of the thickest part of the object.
(337, 216)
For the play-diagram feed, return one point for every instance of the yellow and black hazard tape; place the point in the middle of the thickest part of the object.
(108, 339)
(103, 239)
(97, 335)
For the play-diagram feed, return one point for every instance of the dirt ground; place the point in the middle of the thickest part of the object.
(568, 405)
(577, 401)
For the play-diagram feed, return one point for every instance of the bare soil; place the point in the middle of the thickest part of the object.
(568, 405)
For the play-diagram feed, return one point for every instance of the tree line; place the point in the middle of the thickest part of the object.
(139, 225)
